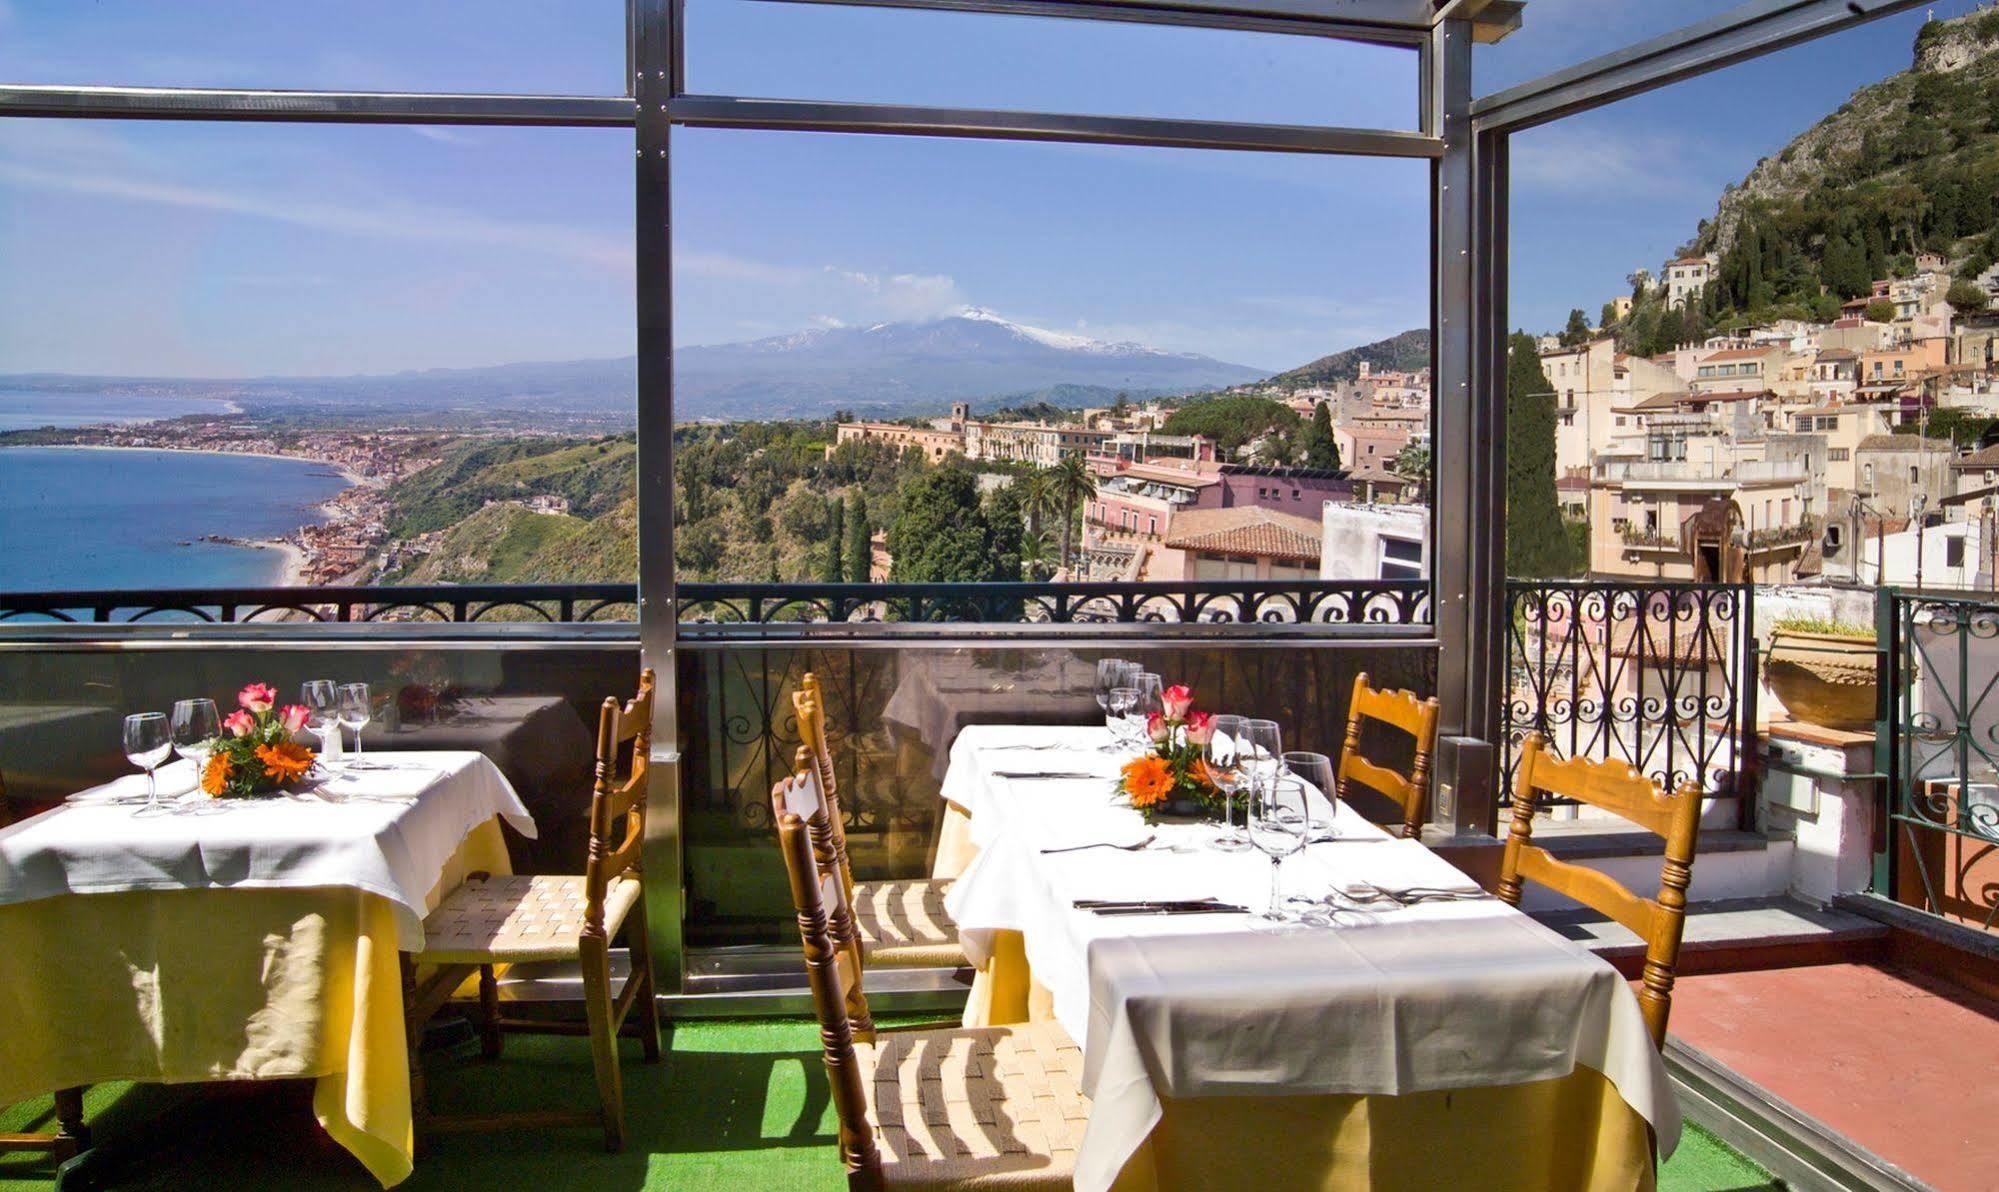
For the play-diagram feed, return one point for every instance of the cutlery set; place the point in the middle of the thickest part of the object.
(1189, 906)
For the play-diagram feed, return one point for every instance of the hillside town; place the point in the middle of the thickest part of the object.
(1865, 449)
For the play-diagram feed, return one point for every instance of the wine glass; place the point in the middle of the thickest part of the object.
(1316, 771)
(1279, 823)
(1119, 704)
(1225, 759)
(1263, 751)
(355, 712)
(148, 741)
(196, 725)
(1112, 673)
(1151, 698)
(321, 698)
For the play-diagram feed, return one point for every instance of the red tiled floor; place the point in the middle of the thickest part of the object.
(1896, 1061)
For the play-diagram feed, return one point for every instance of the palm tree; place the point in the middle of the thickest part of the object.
(1037, 498)
(1035, 565)
(1071, 483)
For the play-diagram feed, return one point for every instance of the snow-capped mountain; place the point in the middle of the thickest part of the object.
(887, 368)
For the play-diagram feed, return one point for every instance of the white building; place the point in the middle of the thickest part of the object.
(1374, 541)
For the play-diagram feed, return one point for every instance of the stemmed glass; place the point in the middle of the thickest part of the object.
(1151, 698)
(147, 744)
(1119, 704)
(355, 712)
(1316, 770)
(1279, 823)
(1263, 751)
(321, 698)
(1225, 757)
(1112, 673)
(196, 725)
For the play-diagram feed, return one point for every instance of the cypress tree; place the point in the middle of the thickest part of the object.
(860, 552)
(836, 544)
(1538, 543)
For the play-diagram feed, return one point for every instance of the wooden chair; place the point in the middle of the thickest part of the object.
(1401, 710)
(898, 924)
(1617, 788)
(491, 921)
(928, 1108)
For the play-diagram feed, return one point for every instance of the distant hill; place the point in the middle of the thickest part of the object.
(1405, 352)
(891, 369)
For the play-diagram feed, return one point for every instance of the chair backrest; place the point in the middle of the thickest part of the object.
(1615, 787)
(810, 705)
(1401, 710)
(618, 799)
(801, 797)
(833, 976)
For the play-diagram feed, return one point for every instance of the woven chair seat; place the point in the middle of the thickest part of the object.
(904, 925)
(992, 1107)
(506, 920)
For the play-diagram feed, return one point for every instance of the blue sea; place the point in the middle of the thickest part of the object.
(79, 518)
(21, 410)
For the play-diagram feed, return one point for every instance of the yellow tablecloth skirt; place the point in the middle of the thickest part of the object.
(223, 984)
(1574, 1133)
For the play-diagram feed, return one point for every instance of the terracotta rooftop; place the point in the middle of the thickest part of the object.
(1725, 395)
(1905, 443)
(1987, 457)
(1246, 530)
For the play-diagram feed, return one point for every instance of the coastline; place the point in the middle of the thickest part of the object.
(346, 474)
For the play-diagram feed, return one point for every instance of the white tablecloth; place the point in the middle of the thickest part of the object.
(1436, 996)
(387, 831)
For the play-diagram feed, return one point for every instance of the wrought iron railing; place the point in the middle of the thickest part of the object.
(715, 608)
(1662, 676)
(1941, 747)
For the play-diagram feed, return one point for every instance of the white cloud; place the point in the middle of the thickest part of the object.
(386, 220)
(905, 297)
(1598, 158)
(438, 133)
(828, 322)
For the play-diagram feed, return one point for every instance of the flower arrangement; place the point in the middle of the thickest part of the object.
(255, 756)
(1172, 778)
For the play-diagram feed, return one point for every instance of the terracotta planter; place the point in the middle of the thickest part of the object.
(1824, 678)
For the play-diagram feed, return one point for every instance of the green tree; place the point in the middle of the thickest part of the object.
(1072, 485)
(1880, 311)
(1608, 315)
(940, 535)
(1231, 420)
(1412, 463)
(1316, 442)
(836, 545)
(860, 534)
(1967, 296)
(1576, 333)
(1538, 545)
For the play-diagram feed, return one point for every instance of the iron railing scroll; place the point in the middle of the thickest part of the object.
(1662, 676)
(1941, 741)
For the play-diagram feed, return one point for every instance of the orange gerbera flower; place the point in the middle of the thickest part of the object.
(1148, 780)
(285, 761)
(215, 778)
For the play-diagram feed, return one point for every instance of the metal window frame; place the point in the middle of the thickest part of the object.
(1466, 141)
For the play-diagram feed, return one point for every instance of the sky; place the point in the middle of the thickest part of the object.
(190, 249)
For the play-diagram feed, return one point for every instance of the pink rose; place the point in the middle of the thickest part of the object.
(257, 697)
(1200, 728)
(1157, 728)
(1176, 701)
(294, 717)
(239, 723)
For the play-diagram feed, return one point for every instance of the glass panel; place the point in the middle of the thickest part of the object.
(532, 710)
(891, 714)
(505, 46)
(1020, 63)
(899, 354)
(377, 305)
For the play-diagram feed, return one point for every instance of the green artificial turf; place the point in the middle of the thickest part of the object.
(735, 1107)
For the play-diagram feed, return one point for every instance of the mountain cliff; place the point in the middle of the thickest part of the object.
(1906, 166)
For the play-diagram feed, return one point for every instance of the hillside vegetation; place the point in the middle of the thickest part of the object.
(1907, 165)
(1406, 352)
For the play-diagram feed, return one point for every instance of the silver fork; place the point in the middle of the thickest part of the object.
(1077, 848)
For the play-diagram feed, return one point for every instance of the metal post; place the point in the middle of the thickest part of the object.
(654, 81)
(1461, 515)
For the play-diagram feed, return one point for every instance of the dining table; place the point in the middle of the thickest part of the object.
(241, 939)
(1398, 1027)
